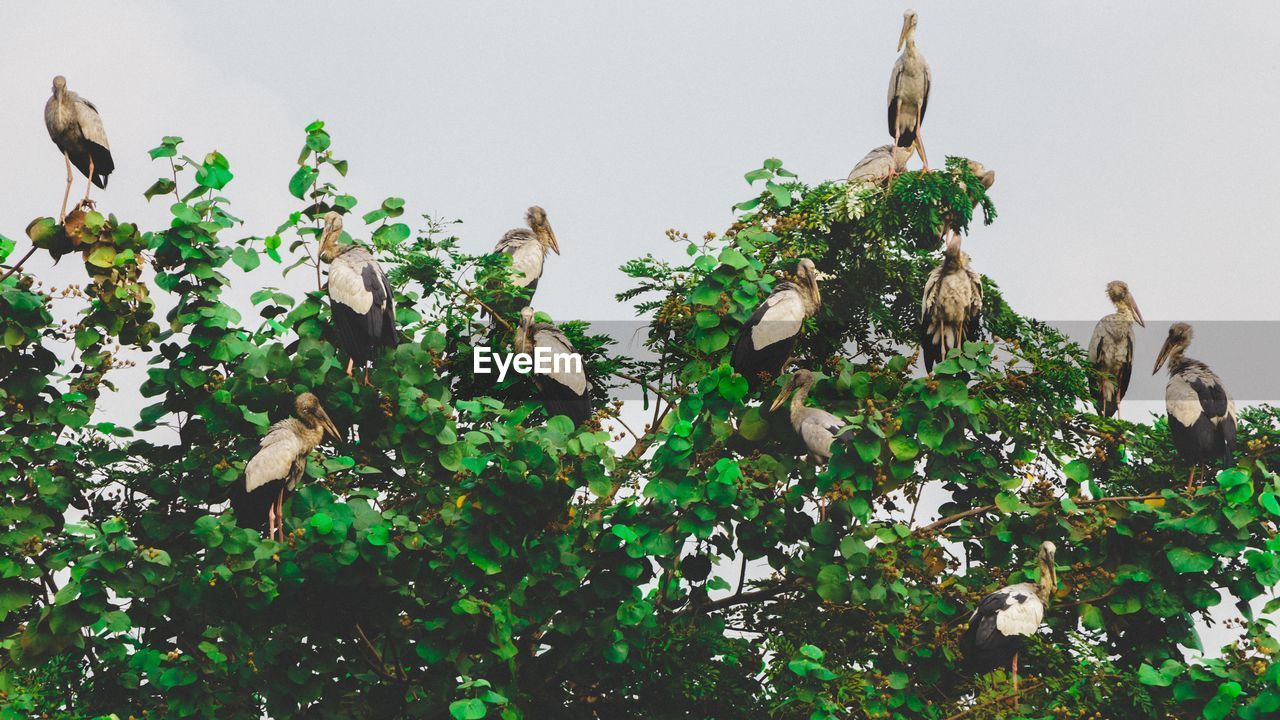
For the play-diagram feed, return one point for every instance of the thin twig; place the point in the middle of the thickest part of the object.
(18, 264)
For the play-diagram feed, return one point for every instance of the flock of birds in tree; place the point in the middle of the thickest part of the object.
(1201, 414)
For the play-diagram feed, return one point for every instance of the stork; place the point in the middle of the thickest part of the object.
(564, 387)
(952, 304)
(528, 249)
(76, 128)
(280, 463)
(909, 91)
(359, 296)
(1000, 626)
(879, 166)
(1111, 349)
(815, 426)
(1202, 415)
(766, 340)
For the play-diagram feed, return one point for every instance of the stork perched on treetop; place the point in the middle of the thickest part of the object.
(360, 296)
(1003, 620)
(1202, 415)
(528, 248)
(878, 167)
(909, 91)
(76, 128)
(280, 463)
(565, 389)
(766, 340)
(1111, 349)
(816, 427)
(951, 306)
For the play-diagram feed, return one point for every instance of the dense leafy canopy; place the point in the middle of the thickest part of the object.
(462, 553)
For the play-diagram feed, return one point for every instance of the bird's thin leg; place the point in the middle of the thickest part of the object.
(280, 513)
(920, 148)
(1191, 478)
(62, 216)
(350, 363)
(88, 185)
(271, 521)
(1015, 678)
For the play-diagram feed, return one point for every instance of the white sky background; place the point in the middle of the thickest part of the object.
(1132, 141)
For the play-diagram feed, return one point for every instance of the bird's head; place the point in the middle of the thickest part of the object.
(908, 28)
(951, 248)
(523, 341)
(1045, 559)
(901, 155)
(985, 176)
(330, 236)
(1174, 345)
(801, 378)
(59, 85)
(309, 410)
(536, 217)
(1118, 293)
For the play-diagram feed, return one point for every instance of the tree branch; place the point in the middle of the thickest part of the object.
(988, 508)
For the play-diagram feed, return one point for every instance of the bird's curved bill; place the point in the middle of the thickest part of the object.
(902, 38)
(1164, 355)
(555, 245)
(1137, 314)
(782, 394)
(328, 425)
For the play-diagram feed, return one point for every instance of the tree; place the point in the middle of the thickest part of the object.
(464, 552)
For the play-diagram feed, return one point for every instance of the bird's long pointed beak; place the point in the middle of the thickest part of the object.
(329, 427)
(1137, 314)
(782, 395)
(902, 38)
(552, 242)
(1164, 355)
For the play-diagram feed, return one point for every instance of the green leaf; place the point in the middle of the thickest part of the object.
(1091, 617)
(469, 709)
(246, 258)
(103, 256)
(898, 680)
(1219, 707)
(733, 258)
(163, 186)
(301, 181)
(733, 388)
(781, 195)
(1077, 470)
(388, 236)
(1185, 560)
(322, 523)
(833, 583)
(904, 447)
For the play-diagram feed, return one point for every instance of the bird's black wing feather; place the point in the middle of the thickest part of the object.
(1213, 397)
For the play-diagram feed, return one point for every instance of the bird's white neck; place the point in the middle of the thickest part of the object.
(1122, 309)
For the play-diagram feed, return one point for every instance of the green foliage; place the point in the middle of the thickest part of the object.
(464, 555)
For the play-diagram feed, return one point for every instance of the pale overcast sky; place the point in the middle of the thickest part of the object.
(1131, 140)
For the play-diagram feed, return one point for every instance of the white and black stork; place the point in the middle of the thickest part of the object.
(360, 297)
(1111, 349)
(818, 428)
(952, 304)
(1202, 415)
(280, 463)
(76, 128)
(909, 91)
(565, 389)
(769, 335)
(1004, 619)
